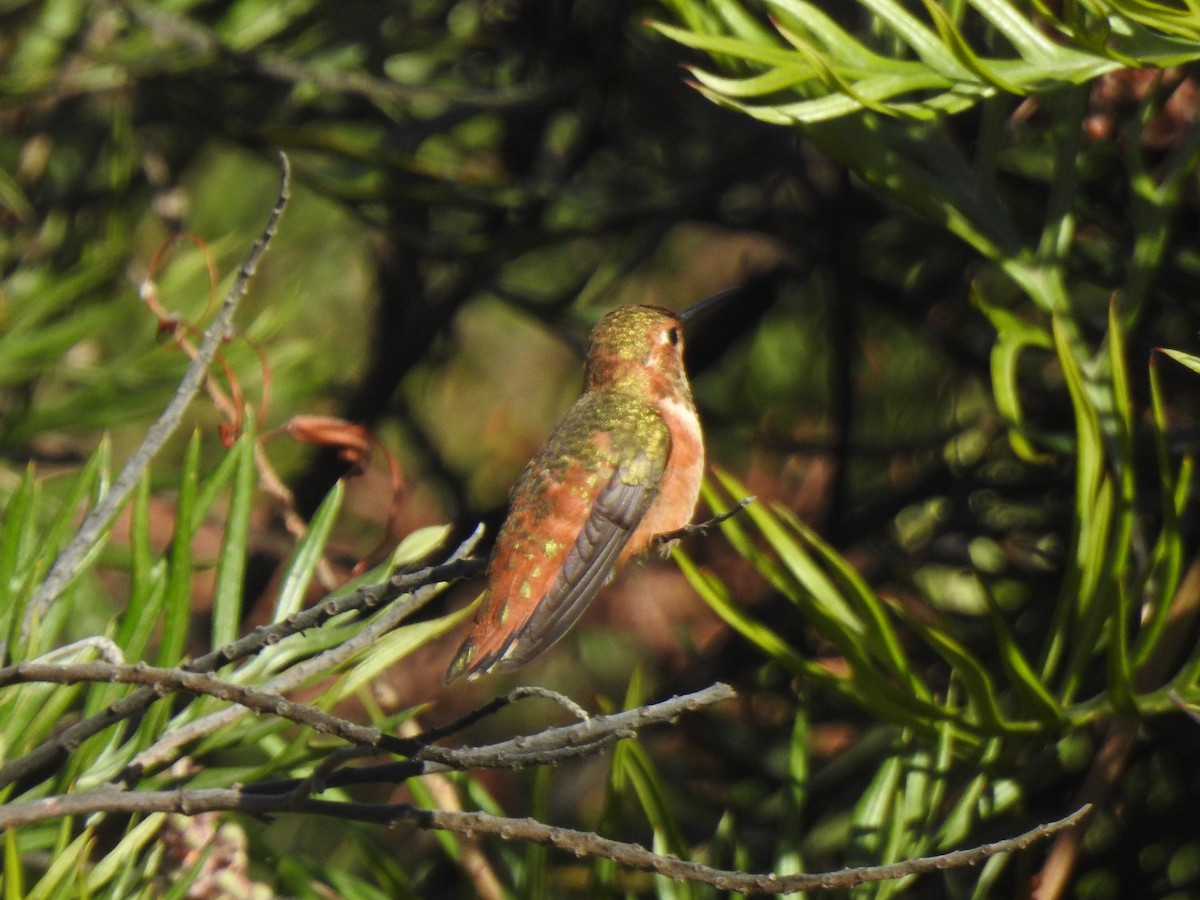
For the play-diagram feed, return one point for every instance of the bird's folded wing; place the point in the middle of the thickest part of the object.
(618, 509)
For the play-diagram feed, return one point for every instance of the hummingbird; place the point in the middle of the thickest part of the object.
(623, 466)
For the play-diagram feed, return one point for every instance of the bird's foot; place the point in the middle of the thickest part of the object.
(668, 539)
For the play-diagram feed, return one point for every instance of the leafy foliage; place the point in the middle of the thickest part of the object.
(148, 853)
(1093, 648)
(900, 65)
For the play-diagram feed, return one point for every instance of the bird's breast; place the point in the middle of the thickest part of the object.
(679, 490)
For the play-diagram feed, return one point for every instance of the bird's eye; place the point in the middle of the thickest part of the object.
(673, 336)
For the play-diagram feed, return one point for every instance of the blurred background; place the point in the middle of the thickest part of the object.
(475, 184)
(477, 189)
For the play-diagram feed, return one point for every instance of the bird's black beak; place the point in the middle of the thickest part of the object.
(717, 322)
(699, 308)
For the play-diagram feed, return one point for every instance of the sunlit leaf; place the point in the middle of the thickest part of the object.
(307, 555)
(231, 562)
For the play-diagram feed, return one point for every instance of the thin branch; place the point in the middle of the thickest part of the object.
(493, 706)
(366, 598)
(162, 751)
(547, 747)
(68, 563)
(330, 771)
(472, 854)
(411, 744)
(167, 681)
(105, 648)
(532, 690)
(232, 408)
(554, 745)
(702, 528)
(579, 843)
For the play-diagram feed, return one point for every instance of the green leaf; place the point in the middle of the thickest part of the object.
(961, 822)
(736, 48)
(842, 46)
(907, 837)
(1035, 695)
(1030, 42)
(231, 564)
(307, 555)
(65, 865)
(651, 792)
(390, 649)
(871, 816)
(948, 74)
(880, 636)
(927, 44)
(1181, 21)
(534, 869)
(741, 21)
(1088, 590)
(846, 604)
(1014, 337)
(827, 73)
(177, 600)
(1167, 566)
(135, 625)
(215, 482)
(14, 875)
(954, 40)
(126, 852)
(1187, 359)
(976, 681)
(753, 86)
(1119, 663)
(419, 544)
(720, 601)
(17, 533)
(798, 760)
(89, 486)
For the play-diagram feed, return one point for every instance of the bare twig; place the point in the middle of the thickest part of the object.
(417, 740)
(167, 681)
(554, 745)
(549, 746)
(437, 732)
(163, 751)
(562, 700)
(366, 598)
(68, 563)
(105, 648)
(702, 528)
(1107, 765)
(580, 843)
